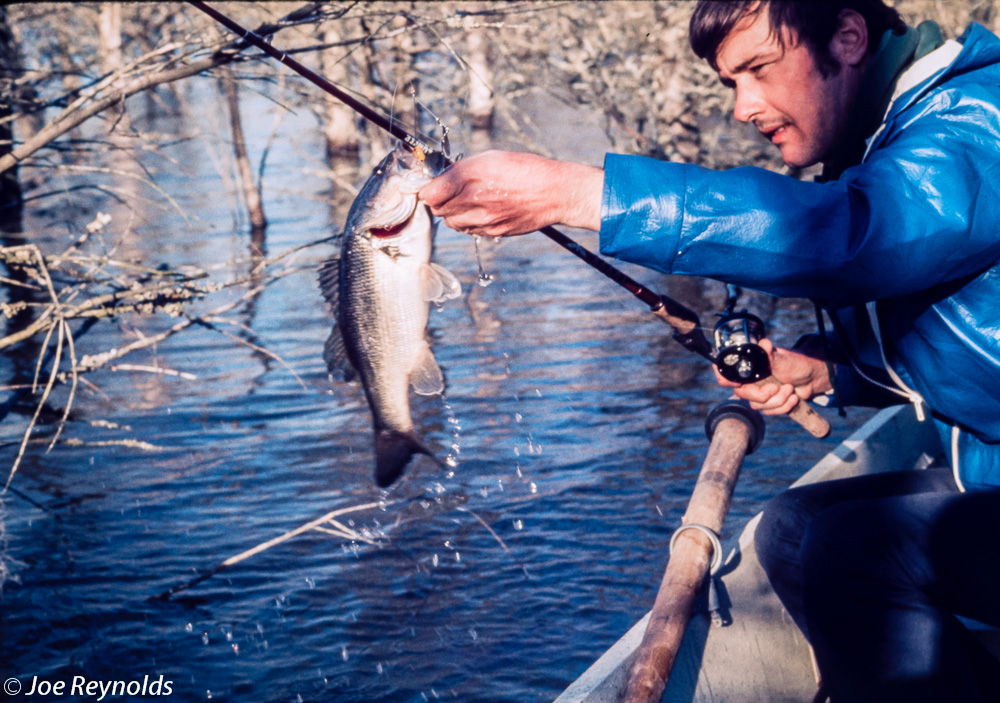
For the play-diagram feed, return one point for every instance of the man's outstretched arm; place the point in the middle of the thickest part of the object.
(502, 193)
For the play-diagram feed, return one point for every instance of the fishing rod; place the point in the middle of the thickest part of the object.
(739, 362)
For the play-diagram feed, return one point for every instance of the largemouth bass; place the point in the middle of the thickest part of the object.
(381, 287)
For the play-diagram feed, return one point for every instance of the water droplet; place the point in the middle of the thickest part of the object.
(473, 634)
(236, 648)
(500, 484)
(208, 695)
(189, 628)
(379, 668)
(451, 461)
(533, 487)
(204, 638)
(484, 492)
(517, 452)
(518, 525)
(343, 653)
(518, 417)
(458, 557)
(484, 279)
(434, 560)
(312, 584)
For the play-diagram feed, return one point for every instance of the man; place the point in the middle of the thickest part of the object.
(900, 242)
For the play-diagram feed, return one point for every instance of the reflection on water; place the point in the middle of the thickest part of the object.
(572, 424)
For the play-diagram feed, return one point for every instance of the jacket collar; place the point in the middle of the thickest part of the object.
(894, 55)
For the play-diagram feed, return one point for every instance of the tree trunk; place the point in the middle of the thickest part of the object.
(251, 190)
(340, 130)
(110, 36)
(481, 101)
(11, 205)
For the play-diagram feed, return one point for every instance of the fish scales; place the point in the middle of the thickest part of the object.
(381, 289)
(386, 323)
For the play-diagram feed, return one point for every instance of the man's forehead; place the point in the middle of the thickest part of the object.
(752, 38)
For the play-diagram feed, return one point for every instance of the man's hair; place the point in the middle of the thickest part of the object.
(812, 23)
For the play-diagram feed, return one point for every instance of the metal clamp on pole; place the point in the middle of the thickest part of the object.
(713, 538)
(714, 605)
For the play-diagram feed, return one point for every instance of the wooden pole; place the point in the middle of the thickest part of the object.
(689, 562)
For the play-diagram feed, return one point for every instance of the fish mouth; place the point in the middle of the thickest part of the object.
(390, 231)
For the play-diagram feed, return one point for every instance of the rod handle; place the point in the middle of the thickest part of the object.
(803, 413)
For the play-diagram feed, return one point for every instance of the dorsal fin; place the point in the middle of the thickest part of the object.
(329, 280)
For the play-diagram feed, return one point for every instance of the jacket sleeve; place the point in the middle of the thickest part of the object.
(922, 210)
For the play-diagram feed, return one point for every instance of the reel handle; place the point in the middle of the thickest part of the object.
(803, 413)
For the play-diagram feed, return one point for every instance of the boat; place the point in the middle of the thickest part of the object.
(760, 655)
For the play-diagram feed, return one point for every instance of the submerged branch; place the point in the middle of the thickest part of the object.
(147, 291)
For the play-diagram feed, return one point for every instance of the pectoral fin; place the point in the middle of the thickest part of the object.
(438, 284)
(426, 377)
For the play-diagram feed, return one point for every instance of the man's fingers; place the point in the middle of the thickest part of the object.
(441, 190)
(770, 399)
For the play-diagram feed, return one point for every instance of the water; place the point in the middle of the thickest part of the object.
(572, 423)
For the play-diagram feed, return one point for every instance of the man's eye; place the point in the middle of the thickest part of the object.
(758, 69)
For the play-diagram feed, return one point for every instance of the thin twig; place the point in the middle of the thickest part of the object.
(242, 556)
(38, 410)
(484, 524)
(72, 388)
(154, 369)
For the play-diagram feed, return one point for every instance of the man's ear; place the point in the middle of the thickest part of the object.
(849, 44)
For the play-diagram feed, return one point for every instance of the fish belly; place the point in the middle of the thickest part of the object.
(384, 321)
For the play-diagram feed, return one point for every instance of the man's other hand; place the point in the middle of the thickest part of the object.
(800, 377)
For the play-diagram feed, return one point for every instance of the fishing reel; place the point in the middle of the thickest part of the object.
(738, 354)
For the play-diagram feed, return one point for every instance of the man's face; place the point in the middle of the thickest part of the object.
(780, 89)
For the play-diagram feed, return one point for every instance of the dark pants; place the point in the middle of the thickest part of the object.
(873, 569)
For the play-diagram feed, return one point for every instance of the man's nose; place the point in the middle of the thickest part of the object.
(749, 103)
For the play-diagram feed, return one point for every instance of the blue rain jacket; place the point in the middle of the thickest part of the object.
(915, 227)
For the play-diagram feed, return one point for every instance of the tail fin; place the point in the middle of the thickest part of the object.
(393, 451)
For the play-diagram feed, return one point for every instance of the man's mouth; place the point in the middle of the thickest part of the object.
(773, 133)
